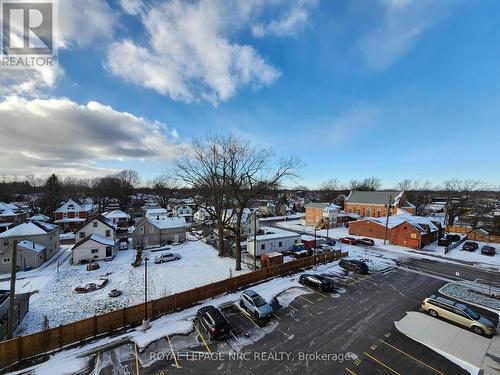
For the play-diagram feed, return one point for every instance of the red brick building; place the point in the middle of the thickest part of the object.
(376, 203)
(403, 230)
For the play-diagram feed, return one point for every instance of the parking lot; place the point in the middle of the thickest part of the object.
(349, 332)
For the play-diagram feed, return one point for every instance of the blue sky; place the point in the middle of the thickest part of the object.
(394, 89)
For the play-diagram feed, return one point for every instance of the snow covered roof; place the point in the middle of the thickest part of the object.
(100, 218)
(96, 238)
(10, 209)
(72, 206)
(168, 222)
(317, 205)
(69, 220)
(116, 214)
(30, 245)
(274, 234)
(28, 229)
(418, 222)
(39, 217)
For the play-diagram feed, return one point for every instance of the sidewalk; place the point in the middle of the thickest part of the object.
(460, 346)
(491, 362)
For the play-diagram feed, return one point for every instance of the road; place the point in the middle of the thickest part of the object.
(357, 323)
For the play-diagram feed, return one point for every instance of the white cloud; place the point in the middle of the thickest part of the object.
(191, 52)
(61, 136)
(402, 25)
(291, 20)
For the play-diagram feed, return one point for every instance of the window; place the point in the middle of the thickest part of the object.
(368, 212)
(81, 234)
(108, 233)
(94, 251)
(378, 212)
(263, 246)
(280, 244)
(413, 235)
(6, 260)
(152, 229)
(94, 224)
(6, 242)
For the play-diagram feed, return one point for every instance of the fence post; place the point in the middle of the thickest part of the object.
(94, 325)
(61, 338)
(124, 317)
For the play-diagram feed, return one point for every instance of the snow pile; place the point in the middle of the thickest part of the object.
(473, 295)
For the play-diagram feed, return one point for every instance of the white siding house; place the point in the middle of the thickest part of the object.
(93, 248)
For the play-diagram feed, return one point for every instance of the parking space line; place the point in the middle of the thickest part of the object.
(136, 360)
(410, 356)
(245, 314)
(202, 338)
(293, 308)
(305, 299)
(234, 336)
(173, 353)
(317, 292)
(276, 316)
(350, 372)
(381, 363)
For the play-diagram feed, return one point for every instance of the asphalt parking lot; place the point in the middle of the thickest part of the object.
(350, 332)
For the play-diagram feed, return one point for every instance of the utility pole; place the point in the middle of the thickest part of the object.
(387, 220)
(145, 322)
(12, 294)
(255, 240)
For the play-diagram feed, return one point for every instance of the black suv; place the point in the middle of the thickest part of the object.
(470, 246)
(213, 322)
(320, 282)
(488, 250)
(365, 241)
(444, 242)
(453, 237)
(354, 265)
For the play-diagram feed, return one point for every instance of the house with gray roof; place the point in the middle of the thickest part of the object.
(376, 203)
(37, 242)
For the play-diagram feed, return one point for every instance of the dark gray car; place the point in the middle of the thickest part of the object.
(256, 305)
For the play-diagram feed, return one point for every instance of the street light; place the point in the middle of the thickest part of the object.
(145, 322)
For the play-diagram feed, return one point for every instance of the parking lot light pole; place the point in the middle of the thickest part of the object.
(145, 322)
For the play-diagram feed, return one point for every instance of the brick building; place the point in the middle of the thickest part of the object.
(375, 203)
(404, 230)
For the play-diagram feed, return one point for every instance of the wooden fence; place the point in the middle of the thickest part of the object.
(474, 235)
(24, 347)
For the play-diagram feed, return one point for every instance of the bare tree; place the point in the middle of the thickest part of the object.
(164, 187)
(460, 197)
(252, 171)
(123, 186)
(366, 184)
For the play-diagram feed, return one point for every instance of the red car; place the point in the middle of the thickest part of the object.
(348, 240)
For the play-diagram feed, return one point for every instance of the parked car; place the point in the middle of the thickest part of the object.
(331, 242)
(444, 242)
(256, 305)
(167, 257)
(453, 237)
(320, 282)
(348, 240)
(456, 312)
(354, 265)
(123, 246)
(324, 249)
(488, 250)
(115, 293)
(470, 246)
(213, 322)
(365, 241)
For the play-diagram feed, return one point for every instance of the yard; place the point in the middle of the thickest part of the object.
(56, 299)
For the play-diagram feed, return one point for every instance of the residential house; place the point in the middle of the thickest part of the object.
(21, 307)
(157, 213)
(154, 232)
(267, 209)
(11, 214)
(118, 217)
(98, 225)
(323, 215)
(39, 217)
(272, 240)
(37, 243)
(184, 211)
(202, 215)
(375, 203)
(71, 214)
(404, 230)
(93, 248)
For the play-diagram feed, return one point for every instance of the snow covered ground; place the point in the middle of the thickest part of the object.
(286, 289)
(57, 300)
